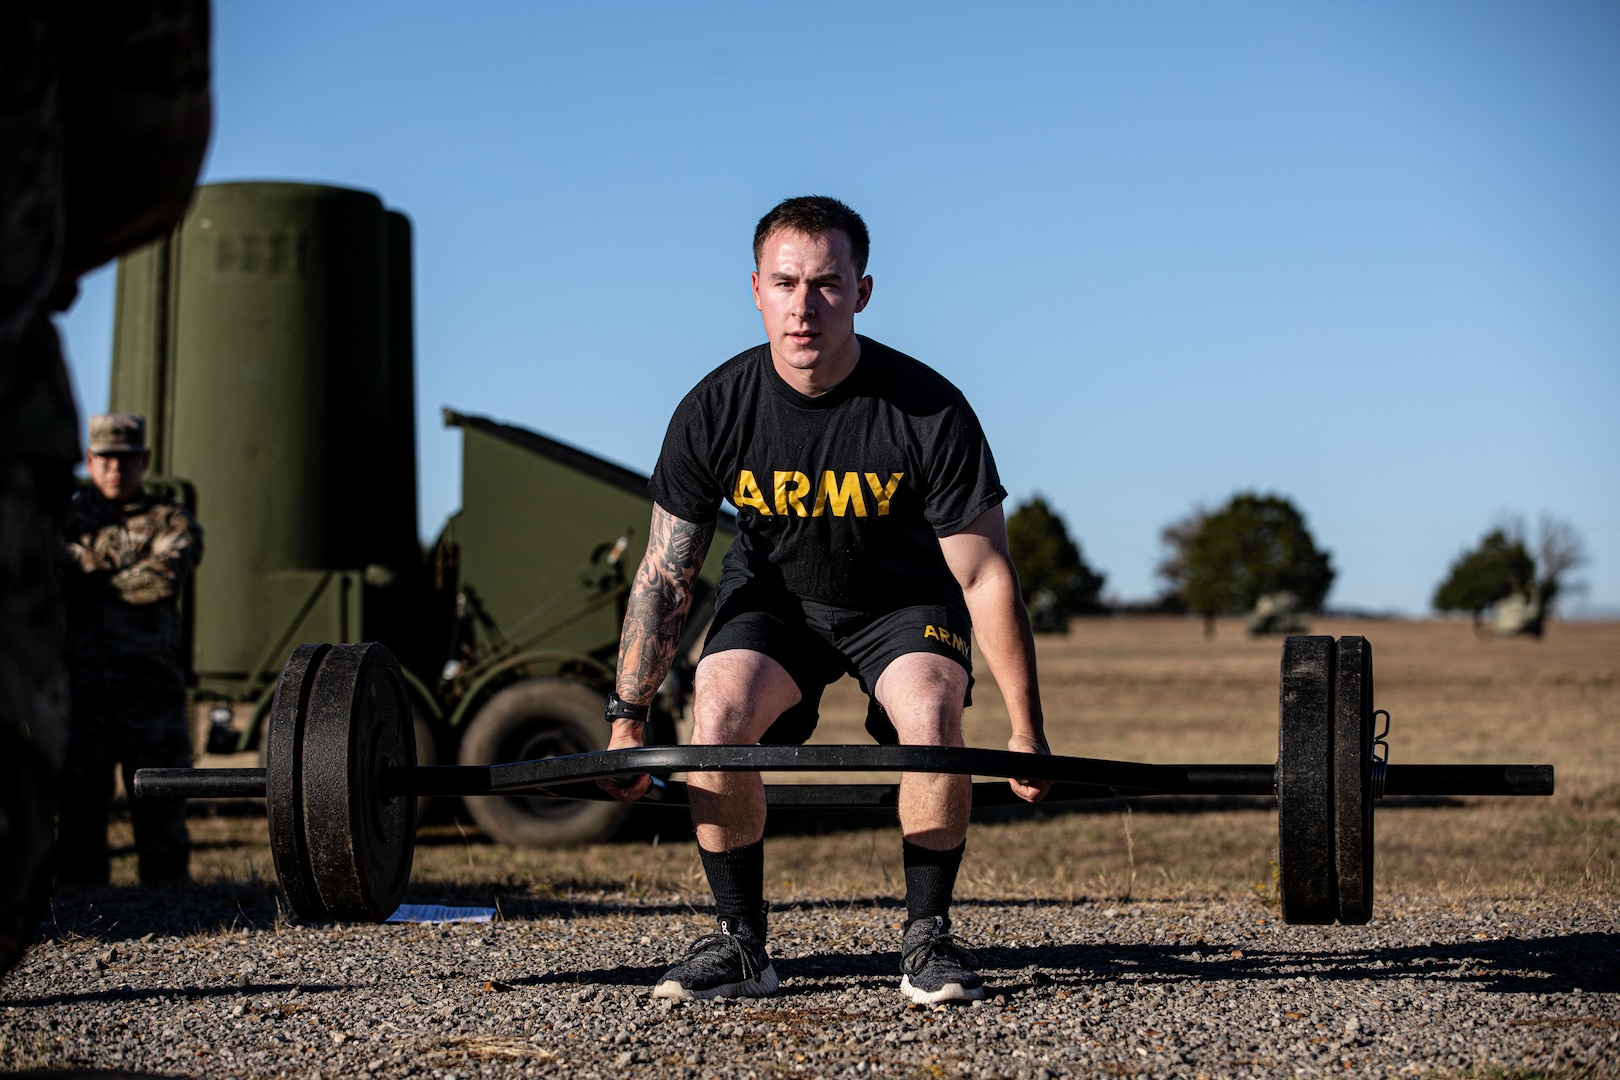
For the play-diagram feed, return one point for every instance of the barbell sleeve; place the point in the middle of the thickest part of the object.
(199, 784)
(1443, 780)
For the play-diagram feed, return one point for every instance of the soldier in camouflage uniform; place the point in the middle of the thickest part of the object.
(126, 554)
(128, 81)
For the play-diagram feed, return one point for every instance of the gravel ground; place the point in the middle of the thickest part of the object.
(556, 989)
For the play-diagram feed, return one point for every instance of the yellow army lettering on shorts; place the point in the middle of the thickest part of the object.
(790, 488)
(943, 634)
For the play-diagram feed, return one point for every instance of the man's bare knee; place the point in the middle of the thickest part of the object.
(737, 696)
(922, 693)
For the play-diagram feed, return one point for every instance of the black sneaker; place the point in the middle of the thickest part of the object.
(729, 964)
(937, 968)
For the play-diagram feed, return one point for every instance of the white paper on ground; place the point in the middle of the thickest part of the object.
(439, 913)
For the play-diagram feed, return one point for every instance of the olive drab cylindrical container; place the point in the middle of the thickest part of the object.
(268, 341)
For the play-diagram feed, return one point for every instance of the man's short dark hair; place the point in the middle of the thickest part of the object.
(815, 214)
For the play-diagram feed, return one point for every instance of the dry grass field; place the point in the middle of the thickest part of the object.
(1134, 938)
(1151, 689)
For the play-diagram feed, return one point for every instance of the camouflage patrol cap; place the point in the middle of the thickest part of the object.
(117, 433)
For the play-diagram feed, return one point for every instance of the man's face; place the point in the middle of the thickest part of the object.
(808, 291)
(117, 476)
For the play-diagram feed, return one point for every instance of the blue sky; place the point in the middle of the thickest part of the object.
(1365, 255)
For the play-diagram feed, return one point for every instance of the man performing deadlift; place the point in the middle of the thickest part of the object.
(871, 542)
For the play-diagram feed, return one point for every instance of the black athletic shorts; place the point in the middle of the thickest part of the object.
(818, 644)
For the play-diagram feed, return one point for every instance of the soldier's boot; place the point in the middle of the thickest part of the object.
(161, 840)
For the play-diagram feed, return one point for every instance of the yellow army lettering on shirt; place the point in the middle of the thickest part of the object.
(944, 636)
(790, 489)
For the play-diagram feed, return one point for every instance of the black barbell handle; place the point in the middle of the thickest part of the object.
(522, 777)
(1084, 778)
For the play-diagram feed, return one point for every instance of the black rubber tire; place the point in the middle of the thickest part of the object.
(1352, 780)
(1305, 782)
(532, 719)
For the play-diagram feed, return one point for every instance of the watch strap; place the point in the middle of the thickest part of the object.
(619, 709)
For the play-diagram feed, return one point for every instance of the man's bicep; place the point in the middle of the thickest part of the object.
(977, 550)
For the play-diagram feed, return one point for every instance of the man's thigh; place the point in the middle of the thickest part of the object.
(770, 635)
(916, 664)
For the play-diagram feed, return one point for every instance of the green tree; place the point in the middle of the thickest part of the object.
(1223, 562)
(1503, 574)
(1054, 577)
(1498, 568)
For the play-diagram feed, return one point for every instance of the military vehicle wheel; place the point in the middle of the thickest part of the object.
(540, 718)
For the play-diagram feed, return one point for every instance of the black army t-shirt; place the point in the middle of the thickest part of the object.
(840, 498)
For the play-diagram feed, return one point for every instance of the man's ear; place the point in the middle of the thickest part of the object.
(863, 293)
(753, 280)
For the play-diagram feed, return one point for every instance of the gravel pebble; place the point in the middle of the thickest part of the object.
(560, 989)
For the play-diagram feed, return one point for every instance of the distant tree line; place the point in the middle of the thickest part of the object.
(1255, 556)
(1255, 551)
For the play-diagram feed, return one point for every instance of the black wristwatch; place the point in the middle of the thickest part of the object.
(619, 709)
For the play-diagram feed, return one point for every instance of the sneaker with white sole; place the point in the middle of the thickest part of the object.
(729, 963)
(935, 967)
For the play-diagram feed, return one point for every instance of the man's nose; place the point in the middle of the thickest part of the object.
(803, 302)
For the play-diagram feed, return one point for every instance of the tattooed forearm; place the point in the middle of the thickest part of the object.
(660, 600)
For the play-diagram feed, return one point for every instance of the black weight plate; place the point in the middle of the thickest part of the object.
(1304, 781)
(283, 781)
(1352, 779)
(360, 842)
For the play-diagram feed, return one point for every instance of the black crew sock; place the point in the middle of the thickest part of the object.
(737, 879)
(930, 879)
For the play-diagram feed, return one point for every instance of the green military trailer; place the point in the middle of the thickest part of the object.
(541, 554)
(268, 340)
